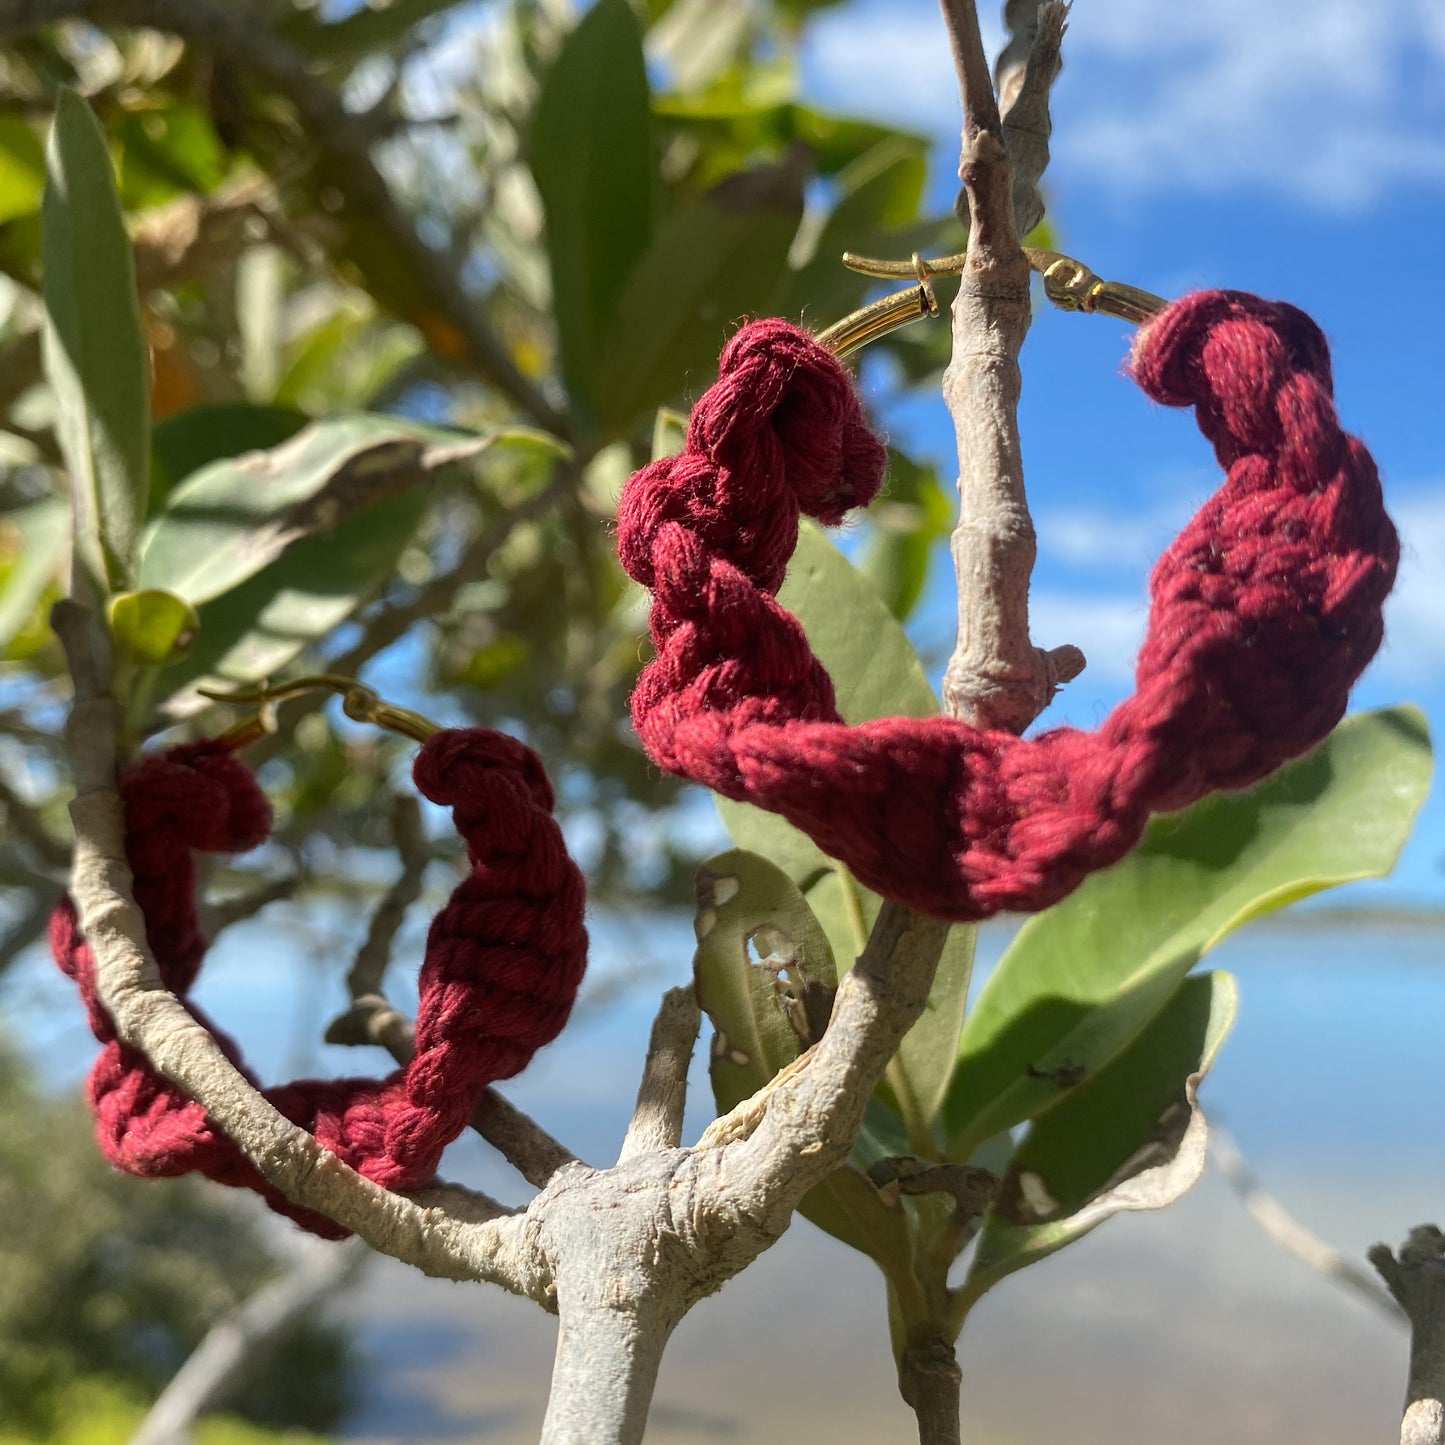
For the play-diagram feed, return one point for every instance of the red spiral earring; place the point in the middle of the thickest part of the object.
(504, 958)
(1265, 610)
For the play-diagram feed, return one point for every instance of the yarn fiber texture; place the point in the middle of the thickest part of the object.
(504, 960)
(1264, 612)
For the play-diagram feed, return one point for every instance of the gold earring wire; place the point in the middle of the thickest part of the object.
(1068, 283)
(358, 702)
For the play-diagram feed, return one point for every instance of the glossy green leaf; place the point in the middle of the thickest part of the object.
(765, 978)
(591, 154)
(710, 264)
(1083, 979)
(257, 628)
(95, 351)
(153, 628)
(1130, 1138)
(669, 433)
(32, 547)
(22, 169)
(189, 440)
(229, 520)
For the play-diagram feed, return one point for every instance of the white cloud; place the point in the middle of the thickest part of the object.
(1414, 650)
(1107, 629)
(1336, 102)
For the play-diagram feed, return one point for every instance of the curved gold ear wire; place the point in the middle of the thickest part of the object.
(358, 702)
(1068, 283)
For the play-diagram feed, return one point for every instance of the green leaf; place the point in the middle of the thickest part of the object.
(765, 978)
(913, 514)
(168, 149)
(1083, 979)
(1131, 1138)
(95, 350)
(769, 1007)
(229, 520)
(153, 628)
(376, 26)
(292, 604)
(669, 433)
(875, 673)
(710, 264)
(189, 440)
(22, 169)
(591, 154)
(27, 568)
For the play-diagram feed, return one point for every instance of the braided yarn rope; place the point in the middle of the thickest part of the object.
(1265, 610)
(504, 959)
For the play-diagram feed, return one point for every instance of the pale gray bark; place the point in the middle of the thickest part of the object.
(996, 677)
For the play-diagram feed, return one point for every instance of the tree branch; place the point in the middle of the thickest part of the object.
(232, 1342)
(234, 36)
(520, 1140)
(22, 820)
(996, 677)
(1416, 1278)
(1026, 71)
(151, 1019)
(368, 969)
(662, 1095)
(1285, 1229)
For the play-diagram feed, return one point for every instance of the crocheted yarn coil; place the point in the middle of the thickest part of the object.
(504, 959)
(1264, 612)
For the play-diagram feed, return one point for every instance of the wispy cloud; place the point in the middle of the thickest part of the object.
(1414, 651)
(1335, 102)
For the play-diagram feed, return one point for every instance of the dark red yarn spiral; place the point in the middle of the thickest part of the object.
(1265, 610)
(504, 960)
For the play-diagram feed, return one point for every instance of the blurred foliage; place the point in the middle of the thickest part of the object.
(96, 1411)
(604, 198)
(96, 1316)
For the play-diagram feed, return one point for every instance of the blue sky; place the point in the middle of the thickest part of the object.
(1295, 148)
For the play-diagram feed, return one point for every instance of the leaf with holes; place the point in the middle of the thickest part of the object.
(765, 978)
(876, 673)
(1082, 980)
(1131, 1138)
(95, 350)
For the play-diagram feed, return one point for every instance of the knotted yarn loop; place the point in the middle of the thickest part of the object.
(1264, 612)
(503, 964)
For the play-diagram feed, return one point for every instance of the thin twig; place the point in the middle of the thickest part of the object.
(232, 1342)
(520, 1140)
(27, 825)
(996, 677)
(1285, 1229)
(368, 969)
(228, 912)
(1416, 1278)
(235, 37)
(662, 1095)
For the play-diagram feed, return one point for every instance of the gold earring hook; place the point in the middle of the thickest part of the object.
(359, 702)
(1068, 283)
